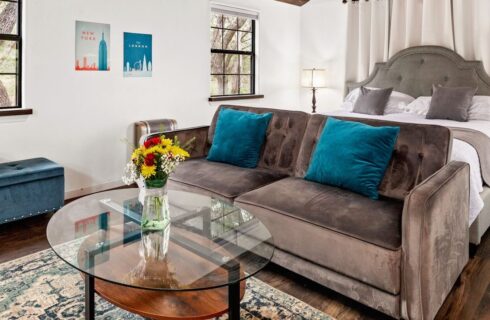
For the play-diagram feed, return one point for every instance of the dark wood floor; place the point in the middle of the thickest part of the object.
(469, 299)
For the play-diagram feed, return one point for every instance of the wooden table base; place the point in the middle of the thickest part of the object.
(167, 305)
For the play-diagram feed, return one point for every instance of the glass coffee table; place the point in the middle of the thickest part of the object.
(194, 269)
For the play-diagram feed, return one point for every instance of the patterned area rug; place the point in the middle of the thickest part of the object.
(41, 286)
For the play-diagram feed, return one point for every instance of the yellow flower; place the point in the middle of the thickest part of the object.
(177, 151)
(155, 149)
(148, 171)
(166, 142)
(137, 153)
(162, 150)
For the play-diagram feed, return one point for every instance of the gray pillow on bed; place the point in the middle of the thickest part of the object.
(451, 103)
(372, 101)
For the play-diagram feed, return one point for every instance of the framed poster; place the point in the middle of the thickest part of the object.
(138, 55)
(92, 46)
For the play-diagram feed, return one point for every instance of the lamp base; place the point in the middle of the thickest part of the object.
(314, 101)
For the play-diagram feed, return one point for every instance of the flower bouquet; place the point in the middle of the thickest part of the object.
(152, 163)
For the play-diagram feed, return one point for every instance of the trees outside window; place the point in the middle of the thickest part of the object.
(232, 55)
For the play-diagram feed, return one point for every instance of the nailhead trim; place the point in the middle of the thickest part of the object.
(31, 214)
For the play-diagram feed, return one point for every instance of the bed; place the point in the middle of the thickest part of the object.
(413, 71)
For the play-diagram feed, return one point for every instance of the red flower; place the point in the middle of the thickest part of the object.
(150, 159)
(152, 142)
(156, 141)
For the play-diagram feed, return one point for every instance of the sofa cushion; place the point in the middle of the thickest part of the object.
(337, 229)
(283, 138)
(353, 156)
(377, 222)
(420, 151)
(239, 137)
(222, 179)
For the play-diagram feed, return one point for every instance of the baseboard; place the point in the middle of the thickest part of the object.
(93, 189)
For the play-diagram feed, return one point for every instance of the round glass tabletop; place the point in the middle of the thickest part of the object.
(208, 244)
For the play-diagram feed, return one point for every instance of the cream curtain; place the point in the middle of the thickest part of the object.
(420, 22)
(379, 29)
(472, 30)
(367, 37)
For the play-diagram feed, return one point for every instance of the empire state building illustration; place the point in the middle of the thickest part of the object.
(103, 66)
(92, 46)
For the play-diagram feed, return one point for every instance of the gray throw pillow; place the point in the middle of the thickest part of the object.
(372, 101)
(451, 103)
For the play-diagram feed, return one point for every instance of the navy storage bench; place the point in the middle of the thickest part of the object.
(30, 187)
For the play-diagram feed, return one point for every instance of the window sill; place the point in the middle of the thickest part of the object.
(244, 97)
(15, 112)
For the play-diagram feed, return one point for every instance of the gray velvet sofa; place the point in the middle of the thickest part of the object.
(400, 255)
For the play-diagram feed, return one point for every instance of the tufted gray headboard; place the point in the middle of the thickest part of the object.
(414, 70)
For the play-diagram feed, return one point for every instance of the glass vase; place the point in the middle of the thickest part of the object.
(154, 244)
(156, 215)
(153, 269)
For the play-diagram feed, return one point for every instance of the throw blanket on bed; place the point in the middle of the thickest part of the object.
(481, 143)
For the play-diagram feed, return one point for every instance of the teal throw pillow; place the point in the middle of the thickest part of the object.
(353, 156)
(239, 137)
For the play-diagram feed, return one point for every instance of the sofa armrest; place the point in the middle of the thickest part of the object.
(199, 135)
(435, 240)
(146, 127)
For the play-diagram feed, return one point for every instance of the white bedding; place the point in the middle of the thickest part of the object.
(461, 151)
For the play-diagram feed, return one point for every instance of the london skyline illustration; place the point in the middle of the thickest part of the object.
(138, 60)
(92, 46)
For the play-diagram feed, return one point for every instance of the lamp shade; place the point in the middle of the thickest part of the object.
(313, 78)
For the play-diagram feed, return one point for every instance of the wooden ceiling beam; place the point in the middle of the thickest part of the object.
(295, 2)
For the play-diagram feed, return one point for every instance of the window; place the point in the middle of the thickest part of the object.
(10, 53)
(232, 53)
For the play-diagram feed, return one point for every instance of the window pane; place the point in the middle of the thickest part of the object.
(245, 24)
(217, 63)
(245, 64)
(8, 56)
(216, 20)
(245, 87)
(231, 74)
(230, 22)
(8, 17)
(216, 38)
(230, 40)
(231, 85)
(8, 91)
(231, 64)
(245, 41)
(217, 85)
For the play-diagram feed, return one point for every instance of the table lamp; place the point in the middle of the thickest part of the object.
(313, 79)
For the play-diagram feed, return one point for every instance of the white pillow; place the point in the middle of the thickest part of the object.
(396, 104)
(420, 106)
(348, 104)
(479, 110)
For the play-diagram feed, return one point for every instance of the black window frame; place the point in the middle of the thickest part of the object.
(16, 38)
(251, 54)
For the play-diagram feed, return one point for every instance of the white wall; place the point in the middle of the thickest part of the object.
(80, 118)
(323, 43)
